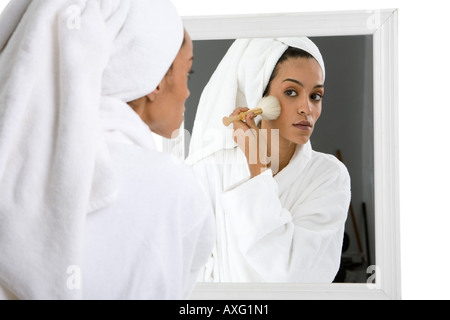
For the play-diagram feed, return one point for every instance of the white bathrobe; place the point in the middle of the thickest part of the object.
(88, 208)
(153, 240)
(150, 249)
(287, 228)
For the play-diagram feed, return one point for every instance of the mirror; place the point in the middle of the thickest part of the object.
(360, 53)
(345, 130)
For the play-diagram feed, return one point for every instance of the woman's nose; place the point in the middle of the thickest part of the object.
(304, 107)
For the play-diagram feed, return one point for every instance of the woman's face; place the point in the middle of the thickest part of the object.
(167, 111)
(299, 86)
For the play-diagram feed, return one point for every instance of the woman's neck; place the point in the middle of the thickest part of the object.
(286, 149)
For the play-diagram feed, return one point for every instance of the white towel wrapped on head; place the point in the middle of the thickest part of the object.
(239, 81)
(61, 62)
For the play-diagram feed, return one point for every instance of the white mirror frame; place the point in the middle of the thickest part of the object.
(383, 25)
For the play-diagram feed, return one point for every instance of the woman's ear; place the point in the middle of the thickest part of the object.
(154, 95)
(159, 89)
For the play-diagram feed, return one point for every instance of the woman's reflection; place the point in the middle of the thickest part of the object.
(277, 222)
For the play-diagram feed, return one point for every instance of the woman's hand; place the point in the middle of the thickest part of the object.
(248, 137)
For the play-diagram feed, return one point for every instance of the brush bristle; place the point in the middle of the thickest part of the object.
(271, 108)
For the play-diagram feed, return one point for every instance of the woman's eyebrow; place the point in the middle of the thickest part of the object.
(301, 84)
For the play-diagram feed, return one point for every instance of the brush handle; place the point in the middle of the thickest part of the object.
(241, 116)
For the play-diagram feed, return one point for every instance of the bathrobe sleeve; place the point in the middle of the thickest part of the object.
(152, 241)
(198, 240)
(299, 244)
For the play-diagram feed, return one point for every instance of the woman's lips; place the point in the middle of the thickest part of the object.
(303, 125)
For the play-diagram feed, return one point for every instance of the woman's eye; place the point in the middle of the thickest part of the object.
(316, 97)
(190, 73)
(290, 93)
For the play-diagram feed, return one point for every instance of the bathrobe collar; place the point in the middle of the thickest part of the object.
(295, 168)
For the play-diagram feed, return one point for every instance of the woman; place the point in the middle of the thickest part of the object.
(89, 208)
(280, 215)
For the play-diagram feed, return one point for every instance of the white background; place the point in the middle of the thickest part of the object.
(424, 126)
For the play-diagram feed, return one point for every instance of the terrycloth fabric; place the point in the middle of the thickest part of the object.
(287, 228)
(152, 241)
(61, 62)
(239, 81)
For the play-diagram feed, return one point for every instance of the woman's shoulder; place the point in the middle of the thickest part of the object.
(151, 179)
(328, 163)
(144, 166)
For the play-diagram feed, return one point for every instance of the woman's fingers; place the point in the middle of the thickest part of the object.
(239, 124)
(246, 133)
(248, 138)
(237, 111)
(250, 120)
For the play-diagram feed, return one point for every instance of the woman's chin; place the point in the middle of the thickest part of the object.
(300, 140)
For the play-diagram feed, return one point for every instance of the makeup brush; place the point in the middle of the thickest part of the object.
(268, 107)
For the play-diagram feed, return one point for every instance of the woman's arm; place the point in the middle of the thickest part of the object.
(302, 244)
(247, 136)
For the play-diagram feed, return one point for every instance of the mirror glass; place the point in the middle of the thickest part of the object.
(344, 130)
